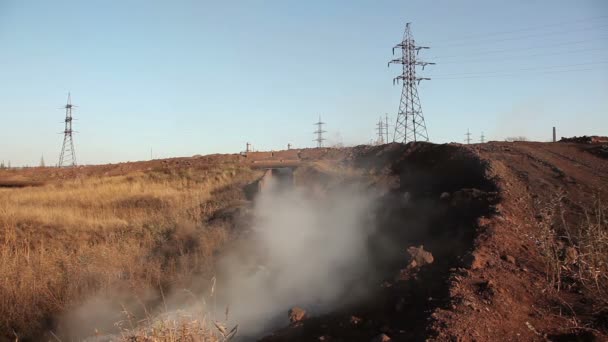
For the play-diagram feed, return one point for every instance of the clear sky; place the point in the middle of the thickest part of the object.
(198, 77)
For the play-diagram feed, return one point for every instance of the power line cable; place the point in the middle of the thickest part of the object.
(532, 28)
(486, 52)
(507, 58)
(491, 41)
(523, 69)
(518, 74)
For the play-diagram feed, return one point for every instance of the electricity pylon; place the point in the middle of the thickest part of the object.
(410, 125)
(319, 132)
(68, 154)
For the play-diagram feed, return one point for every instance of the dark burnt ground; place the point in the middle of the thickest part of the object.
(433, 196)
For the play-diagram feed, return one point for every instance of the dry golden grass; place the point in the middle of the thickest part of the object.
(179, 327)
(64, 241)
(176, 330)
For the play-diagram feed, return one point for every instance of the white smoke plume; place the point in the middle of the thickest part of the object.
(304, 250)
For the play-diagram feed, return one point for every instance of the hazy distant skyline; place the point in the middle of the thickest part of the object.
(196, 77)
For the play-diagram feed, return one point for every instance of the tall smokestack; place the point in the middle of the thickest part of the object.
(553, 133)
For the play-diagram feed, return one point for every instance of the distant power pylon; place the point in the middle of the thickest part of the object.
(386, 126)
(482, 138)
(68, 154)
(410, 124)
(319, 132)
(468, 139)
(381, 131)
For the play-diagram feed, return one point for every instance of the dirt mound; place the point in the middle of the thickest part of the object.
(408, 283)
(593, 139)
(512, 292)
(600, 151)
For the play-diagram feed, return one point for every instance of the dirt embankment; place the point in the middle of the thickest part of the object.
(483, 212)
(426, 219)
(548, 191)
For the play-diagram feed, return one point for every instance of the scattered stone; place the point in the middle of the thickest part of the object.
(381, 338)
(419, 257)
(487, 289)
(508, 258)
(469, 304)
(296, 314)
(444, 196)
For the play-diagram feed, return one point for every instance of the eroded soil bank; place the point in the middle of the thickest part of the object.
(505, 223)
(427, 203)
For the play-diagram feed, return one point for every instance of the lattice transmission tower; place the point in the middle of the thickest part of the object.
(319, 132)
(410, 125)
(380, 129)
(468, 137)
(386, 127)
(68, 154)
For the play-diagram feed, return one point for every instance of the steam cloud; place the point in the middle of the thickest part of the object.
(304, 250)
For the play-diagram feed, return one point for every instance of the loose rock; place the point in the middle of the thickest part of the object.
(508, 258)
(419, 257)
(296, 314)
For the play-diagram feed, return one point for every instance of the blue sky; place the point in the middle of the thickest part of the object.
(197, 77)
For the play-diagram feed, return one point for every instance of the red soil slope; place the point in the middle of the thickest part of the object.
(523, 307)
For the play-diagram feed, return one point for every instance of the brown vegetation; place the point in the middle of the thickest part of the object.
(69, 239)
(576, 256)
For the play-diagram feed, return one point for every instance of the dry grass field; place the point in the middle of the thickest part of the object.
(71, 238)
